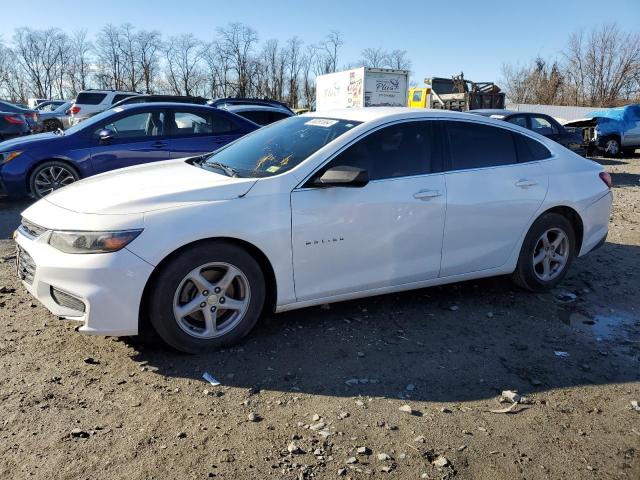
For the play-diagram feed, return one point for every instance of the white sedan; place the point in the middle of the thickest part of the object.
(313, 209)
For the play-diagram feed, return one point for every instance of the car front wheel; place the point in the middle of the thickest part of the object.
(547, 253)
(50, 176)
(207, 297)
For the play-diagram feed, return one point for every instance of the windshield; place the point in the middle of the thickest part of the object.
(280, 146)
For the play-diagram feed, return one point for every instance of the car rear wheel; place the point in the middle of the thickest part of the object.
(547, 253)
(207, 297)
(50, 176)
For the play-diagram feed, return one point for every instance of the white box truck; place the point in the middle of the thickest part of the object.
(362, 87)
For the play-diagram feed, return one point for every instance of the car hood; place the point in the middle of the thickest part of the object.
(20, 143)
(144, 188)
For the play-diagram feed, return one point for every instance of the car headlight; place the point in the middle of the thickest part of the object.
(6, 157)
(92, 242)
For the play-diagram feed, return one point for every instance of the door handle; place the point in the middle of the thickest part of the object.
(159, 144)
(427, 194)
(524, 183)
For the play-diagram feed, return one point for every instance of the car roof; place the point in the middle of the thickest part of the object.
(248, 108)
(134, 106)
(493, 111)
(368, 114)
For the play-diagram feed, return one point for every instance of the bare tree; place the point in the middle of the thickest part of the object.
(374, 58)
(398, 60)
(603, 64)
(294, 65)
(148, 45)
(183, 56)
(328, 61)
(110, 64)
(238, 41)
(80, 63)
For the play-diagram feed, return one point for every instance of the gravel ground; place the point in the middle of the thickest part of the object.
(322, 392)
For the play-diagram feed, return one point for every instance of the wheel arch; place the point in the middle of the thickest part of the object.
(573, 216)
(271, 287)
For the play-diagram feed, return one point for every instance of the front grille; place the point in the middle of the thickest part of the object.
(25, 265)
(31, 229)
(68, 301)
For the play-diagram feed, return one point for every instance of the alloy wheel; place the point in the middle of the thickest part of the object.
(211, 300)
(612, 147)
(551, 254)
(52, 178)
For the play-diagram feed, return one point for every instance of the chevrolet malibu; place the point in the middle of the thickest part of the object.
(313, 209)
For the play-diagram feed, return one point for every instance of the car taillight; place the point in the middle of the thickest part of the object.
(606, 178)
(75, 110)
(14, 120)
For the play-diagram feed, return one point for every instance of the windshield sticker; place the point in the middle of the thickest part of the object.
(273, 168)
(321, 122)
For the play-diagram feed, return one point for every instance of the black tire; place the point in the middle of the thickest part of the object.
(629, 152)
(68, 175)
(169, 282)
(527, 274)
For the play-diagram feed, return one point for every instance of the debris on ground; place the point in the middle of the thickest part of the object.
(635, 406)
(561, 354)
(207, 376)
(511, 396)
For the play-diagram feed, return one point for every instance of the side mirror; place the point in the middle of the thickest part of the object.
(105, 136)
(342, 176)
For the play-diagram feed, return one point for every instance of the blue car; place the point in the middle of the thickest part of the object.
(121, 137)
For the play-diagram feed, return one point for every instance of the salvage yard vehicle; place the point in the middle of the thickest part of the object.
(122, 137)
(542, 124)
(612, 131)
(313, 209)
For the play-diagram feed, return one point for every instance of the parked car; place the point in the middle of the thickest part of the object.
(311, 210)
(13, 125)
(129, 135)
(260, 114)
(542, 124)
(58, 118)
(226, 102)
(611, 131)
(32, 103)
(90, 102)
(32, 116)
(161, 98)
(49, 105)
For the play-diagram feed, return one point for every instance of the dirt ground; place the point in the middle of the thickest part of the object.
(317, 393)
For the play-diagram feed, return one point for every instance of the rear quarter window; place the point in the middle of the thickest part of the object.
(87, 98)
(530, 150)
(473, 145)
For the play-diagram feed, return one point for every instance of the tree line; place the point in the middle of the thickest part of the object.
(50, 63)
(596, 68)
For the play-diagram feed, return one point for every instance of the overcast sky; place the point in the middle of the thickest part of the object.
(441, 39)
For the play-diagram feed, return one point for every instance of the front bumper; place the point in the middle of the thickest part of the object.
(110, 285)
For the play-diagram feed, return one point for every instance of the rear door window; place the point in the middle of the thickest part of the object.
(472, 145)
(190, 123)
(90, 98)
